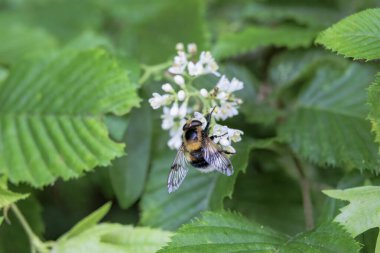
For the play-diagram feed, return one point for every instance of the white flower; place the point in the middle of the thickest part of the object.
(195, 69)
(179, 80)
(225, 85)
(199, 116)
(179, 64)
(167, 87)
(229, 149)
(220, 132)
(235, 134)
(226, 110)
(176, 139)
(204, 93)
(181, 95)
(174, 110)
(222, 95)
(209, 64)
(167, 119)
(192, 48)
(182, 111)
(175, 133)
(159, 100)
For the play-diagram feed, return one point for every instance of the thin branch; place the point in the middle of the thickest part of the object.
(35, 243)
(306, 197)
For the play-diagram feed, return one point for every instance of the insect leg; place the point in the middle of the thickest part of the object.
(217, 136)
(208, 118)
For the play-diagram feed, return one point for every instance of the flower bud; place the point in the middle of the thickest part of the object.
(179, 80)
(204, 93)
(167, 87)
(181, 95)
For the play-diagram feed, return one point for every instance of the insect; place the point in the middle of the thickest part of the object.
(199, 151)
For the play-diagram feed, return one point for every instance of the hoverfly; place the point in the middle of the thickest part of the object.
(199, 151)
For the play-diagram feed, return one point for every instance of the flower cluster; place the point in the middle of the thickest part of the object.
(181, 98)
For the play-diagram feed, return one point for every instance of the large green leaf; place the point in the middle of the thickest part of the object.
(19, 41)
(227, 232)
(374, 103)
(253, 37)
(198, 192)
(356, 36)
(329, 123)
(150, 31)
(292, 66)
(363, 211)
(128, 173)
(51, 116)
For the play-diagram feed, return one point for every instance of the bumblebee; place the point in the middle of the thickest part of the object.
(199, 151)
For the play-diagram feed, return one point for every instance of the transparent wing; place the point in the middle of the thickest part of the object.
(178, 170)
(216, 158)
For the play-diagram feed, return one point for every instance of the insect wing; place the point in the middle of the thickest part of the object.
(178, 171)
(216, 158)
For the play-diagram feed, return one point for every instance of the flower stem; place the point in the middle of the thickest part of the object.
(36, 244)
(151, 70)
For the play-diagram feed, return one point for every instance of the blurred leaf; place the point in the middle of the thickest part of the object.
(65, 19)
(128, 173)
(12, 235)
(8, 197)
(363, 211)
(292, 66)
(198, 192)
(90, 40)
(303, 13)
(19, 42)
(1, 220)
(356, 36)
(329, 124)
(114, 238)
(374, 103)
(228, 232)
(152, 37)
(88, 222)
(50, 116)
(254, 37)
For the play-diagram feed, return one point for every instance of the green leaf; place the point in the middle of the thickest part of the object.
(19, 41)
(198, 192)
(356, 36)
(374, 103)
(51, 116)
(228, 232)
(292, 66)
(363, 211)
(152, 37)
(254, 37)
(114, 238)
(128, 173)
(88, 222)
(329, 123)
(8, 197)
(310, 14)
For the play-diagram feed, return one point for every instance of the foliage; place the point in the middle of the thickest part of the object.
(228, 232)
(76, 128)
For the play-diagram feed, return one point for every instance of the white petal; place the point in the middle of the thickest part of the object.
(204, 93)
